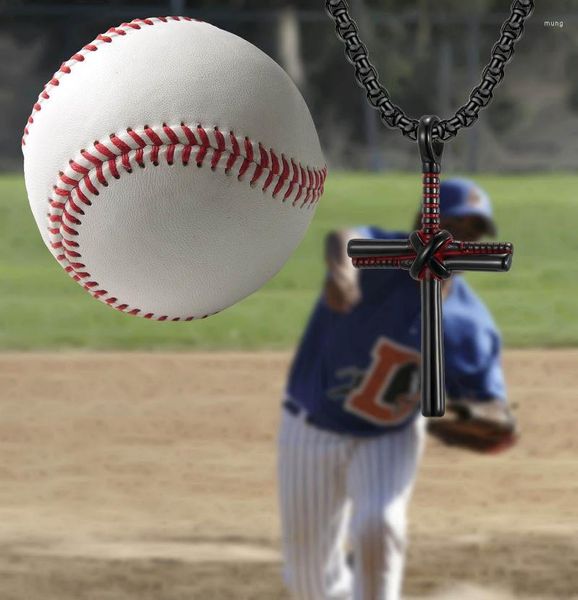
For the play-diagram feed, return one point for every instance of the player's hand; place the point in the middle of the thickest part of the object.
(342, 291)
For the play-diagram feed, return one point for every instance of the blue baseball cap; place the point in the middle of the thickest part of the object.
(463, 198)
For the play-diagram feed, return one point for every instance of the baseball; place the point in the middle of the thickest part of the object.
(171, 167)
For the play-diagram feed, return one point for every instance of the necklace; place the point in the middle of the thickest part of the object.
(430, 254)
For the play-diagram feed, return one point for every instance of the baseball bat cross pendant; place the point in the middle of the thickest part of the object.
(431, 255)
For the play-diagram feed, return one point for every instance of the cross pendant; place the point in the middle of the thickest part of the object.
(431, 255)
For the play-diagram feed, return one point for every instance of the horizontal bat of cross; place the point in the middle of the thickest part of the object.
(451, 256)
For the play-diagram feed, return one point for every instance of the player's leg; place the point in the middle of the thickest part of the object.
(314, 511)
(381, 477)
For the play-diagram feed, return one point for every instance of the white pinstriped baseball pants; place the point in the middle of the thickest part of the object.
(334, 487)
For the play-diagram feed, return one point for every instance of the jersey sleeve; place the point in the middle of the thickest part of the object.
(473, 356)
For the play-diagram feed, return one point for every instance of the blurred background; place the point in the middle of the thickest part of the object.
(429, 54)
(150, 474)
(523, 149)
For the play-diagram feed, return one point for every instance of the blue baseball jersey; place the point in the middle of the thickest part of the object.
(358, 373)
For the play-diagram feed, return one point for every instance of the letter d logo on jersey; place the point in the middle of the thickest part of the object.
(389, 391)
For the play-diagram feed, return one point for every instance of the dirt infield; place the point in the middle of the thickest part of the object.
(151, 477)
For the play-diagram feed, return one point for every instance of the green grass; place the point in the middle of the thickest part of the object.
(535, 304)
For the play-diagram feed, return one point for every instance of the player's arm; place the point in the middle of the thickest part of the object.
(341, 291)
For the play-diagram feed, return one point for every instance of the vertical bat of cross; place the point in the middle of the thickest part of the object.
(431, 255)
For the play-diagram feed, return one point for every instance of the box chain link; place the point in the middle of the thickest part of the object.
(378, 96)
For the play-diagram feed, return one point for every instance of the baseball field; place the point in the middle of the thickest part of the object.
(137, 459)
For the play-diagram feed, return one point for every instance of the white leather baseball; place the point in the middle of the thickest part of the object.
(172, 168)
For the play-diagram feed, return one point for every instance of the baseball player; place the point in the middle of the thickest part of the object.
(351, 434)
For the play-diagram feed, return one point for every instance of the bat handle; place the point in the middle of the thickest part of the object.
(432, 349)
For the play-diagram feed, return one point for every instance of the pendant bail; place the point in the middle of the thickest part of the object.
(430, 148)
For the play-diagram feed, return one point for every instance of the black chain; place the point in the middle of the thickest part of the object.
(392, 115)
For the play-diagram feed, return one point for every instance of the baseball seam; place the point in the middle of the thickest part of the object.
(79, 184)
(104, 38)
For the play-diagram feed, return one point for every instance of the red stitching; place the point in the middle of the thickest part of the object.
(152, 136)
(201, 155)
(94, 166)
(80, 56)
(154, 155)
(170, 134)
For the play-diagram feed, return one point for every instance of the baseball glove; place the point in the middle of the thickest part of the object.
(481, 426)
